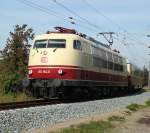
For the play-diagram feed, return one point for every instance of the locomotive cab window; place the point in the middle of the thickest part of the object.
(77, 45)
(56, 43)
(40, 44)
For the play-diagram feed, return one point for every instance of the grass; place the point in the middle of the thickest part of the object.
(107, 126)
(14, 97)
(92, 127)
(147, 103)
(134, 107)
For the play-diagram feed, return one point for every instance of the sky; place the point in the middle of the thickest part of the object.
(129, 19)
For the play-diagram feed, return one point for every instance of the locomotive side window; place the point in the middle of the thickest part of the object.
(120, 64)
(120, 60)
(110, 65)
(56, 43)
(116, 65)
(110, 61)
(121, 68)
(96, 61)
(77, 45)
(103, 54)
(99, 62)
(104, 63)
(40, 44)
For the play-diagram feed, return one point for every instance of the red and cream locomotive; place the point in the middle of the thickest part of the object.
(65, 63)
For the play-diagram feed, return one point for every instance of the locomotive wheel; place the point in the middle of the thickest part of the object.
(60, 92)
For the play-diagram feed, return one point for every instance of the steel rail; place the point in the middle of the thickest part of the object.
(27, 104)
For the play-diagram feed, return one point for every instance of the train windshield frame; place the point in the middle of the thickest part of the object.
(50, 43)
(56, 43)
(40, 43)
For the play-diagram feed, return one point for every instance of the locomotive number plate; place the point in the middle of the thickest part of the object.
(45, 71)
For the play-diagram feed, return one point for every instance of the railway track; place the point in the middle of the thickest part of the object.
(34, 103)
(27, 104)
(43, 102)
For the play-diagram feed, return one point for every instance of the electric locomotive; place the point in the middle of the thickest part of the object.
(65, 63)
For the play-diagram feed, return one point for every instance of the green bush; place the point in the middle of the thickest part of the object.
(134, 107)
(147, 103)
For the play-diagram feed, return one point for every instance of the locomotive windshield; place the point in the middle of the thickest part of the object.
(51, 43)
(56, 43)
(40, 43)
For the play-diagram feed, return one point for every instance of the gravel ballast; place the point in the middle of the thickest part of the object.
(16, 121)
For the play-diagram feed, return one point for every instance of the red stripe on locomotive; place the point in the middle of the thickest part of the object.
(73, 74)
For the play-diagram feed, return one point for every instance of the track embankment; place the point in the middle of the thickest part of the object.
(27, 119)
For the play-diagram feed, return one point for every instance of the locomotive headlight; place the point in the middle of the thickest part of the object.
(30, 72)
(60, 72)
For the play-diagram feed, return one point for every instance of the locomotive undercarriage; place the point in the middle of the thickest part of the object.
(73, 89)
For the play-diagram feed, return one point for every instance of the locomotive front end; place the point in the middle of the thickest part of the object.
(52, 63)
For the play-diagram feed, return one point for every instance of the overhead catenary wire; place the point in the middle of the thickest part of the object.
(100, 13)
(76, 14)
(51, 12)
(128, 50)
(65, 17)
(132, 56)
(133, 38)
(56, 14)
(43, 9)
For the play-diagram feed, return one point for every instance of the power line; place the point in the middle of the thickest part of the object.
(53, 13)
(100, 13)
(110, 20)
(130, 54)
(65, 18)
(43, 9)
(74, 13)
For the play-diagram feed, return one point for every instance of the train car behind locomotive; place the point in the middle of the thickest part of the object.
(135, 77)
(65, 63)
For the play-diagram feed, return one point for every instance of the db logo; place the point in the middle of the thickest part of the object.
(44, 59)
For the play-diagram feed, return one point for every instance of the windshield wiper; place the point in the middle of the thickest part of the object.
(54, 49)
(36, 48)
